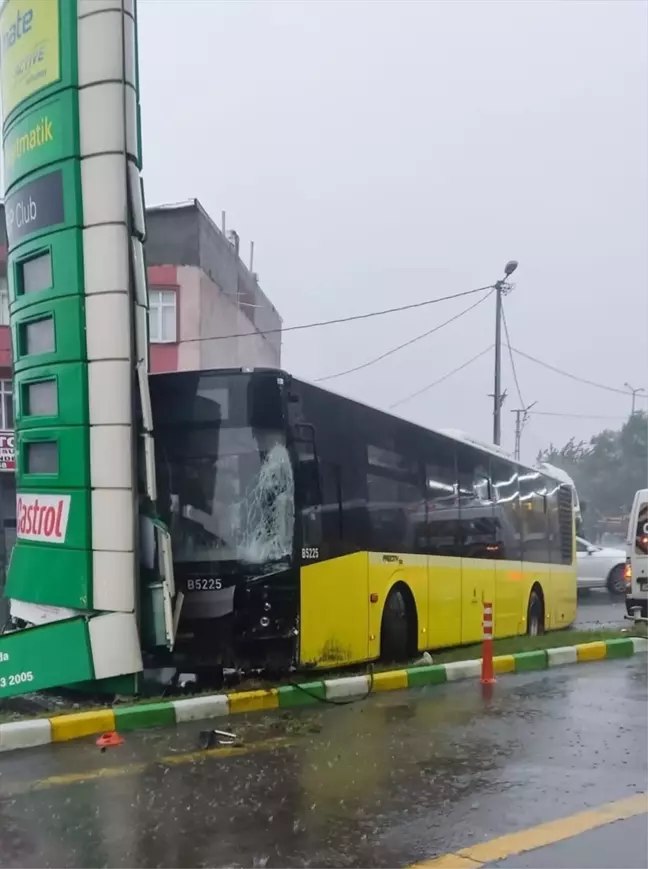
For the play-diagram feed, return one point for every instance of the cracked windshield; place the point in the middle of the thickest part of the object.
(234, 499)
(324, 434)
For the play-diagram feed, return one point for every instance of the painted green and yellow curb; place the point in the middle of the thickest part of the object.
(62, 728)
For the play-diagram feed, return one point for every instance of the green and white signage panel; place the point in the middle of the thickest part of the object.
(52, 654)
(44, 135)
(73, 571)
(39, 52)
(44, 202)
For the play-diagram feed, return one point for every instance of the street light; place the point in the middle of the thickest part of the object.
(500, 287)
(634, 392)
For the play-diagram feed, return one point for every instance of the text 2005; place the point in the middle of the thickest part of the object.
(16, 678)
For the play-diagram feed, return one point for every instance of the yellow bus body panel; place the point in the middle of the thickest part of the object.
(340, 622)
(334, 611)
(385, 570)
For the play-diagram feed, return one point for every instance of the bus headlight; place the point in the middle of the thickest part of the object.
(264, 622)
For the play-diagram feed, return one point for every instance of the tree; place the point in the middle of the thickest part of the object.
(608, 470)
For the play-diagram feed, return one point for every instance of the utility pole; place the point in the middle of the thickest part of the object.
(521, 419)
(634, 393)
(501, 287)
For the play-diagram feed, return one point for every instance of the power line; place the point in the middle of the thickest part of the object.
(405, 344)
(572, 376)
(508, 344)
(337, 320)
(574, 415)
(441, 379)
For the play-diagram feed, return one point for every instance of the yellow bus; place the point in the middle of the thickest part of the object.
(312, 531)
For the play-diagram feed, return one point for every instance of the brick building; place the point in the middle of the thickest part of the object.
(207, 310)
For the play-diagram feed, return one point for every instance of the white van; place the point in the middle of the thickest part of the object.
(636, 570)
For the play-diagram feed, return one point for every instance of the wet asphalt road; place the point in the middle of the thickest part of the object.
(392, 780)
(598, 610)
(621, 845)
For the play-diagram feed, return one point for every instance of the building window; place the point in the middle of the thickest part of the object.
(6, 405)
(4, 302)
(162, 316)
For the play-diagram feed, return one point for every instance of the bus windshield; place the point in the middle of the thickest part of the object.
(229, 486)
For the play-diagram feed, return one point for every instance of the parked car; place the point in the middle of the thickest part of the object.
(600, 567)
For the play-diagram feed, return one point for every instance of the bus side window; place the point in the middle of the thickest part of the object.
(396, 512)
(319, 500)
(533, 516)
(308, 484)
(504, 478)
(330, 508)
(476, 519)
(553, 521)
(307, 492)
(441, 535)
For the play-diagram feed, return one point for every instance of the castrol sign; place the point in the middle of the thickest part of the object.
(42, 517)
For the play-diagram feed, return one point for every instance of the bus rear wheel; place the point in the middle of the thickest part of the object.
(394, 631)
(535, 615)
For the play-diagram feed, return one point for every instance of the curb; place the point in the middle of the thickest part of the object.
(62, 728)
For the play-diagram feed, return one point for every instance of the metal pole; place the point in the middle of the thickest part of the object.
(521, 419)
(518, 433)
(497, 398)
(634, 392)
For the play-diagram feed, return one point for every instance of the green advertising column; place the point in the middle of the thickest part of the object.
(75, 226)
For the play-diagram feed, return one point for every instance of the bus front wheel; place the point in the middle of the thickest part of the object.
(394, 632)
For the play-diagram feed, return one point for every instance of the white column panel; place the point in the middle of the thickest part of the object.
(109, 392)
(111, 585)
(101, 118)
(103, 182)
(105, 258)
(90, 7)
(139, 273)
(100, 48)
(105, 106)
(115, 645)
(111, 459)
(132, 141)
(108, 326)
(141, 334)
(112, 520)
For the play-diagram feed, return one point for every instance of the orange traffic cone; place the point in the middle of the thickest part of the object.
(488, 673)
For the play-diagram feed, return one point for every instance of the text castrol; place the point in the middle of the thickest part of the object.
(42, 517)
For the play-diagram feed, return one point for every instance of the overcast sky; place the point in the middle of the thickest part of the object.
(381, 153)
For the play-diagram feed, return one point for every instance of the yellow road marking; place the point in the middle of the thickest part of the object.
(73, 778)
(537, 837)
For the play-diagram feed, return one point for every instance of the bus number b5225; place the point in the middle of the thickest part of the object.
(204, 584)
